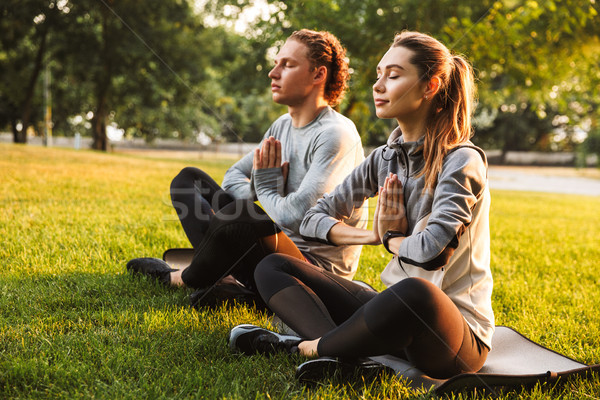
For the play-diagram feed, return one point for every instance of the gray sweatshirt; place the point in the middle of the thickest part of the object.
(448, 240)
(321, 154)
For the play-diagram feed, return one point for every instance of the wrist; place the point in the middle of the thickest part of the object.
(388, 236)
(374, 239)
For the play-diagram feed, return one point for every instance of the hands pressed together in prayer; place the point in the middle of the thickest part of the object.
(390, 214)
(269, 156)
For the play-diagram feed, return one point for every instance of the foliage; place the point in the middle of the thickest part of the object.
(592, 144)
(153, 69)
(539, 56)
(135, 61)
(74, 325)
(25, 27)
(516, 130)
(176, 68)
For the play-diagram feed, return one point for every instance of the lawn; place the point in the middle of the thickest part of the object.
(75, 325)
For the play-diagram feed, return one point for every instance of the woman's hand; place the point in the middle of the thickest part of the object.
(376, 236)
(390, 214)
(342, 234)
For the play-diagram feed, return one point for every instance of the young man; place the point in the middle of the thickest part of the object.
(304, 154)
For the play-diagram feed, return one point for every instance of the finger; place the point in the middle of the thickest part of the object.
(389, 199)
(399, 193)
(380, 198)
(277, 153)
(256, 159)
(376, 218)
(393, 191)
(272, 153)
(384, 201)
(396, 192)
(389, 189)
(265, 152)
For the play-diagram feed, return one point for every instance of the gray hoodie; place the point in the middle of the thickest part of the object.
(448, 240)
(321, 154)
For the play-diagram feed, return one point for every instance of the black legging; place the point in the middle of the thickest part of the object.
(196, 197)
(229, 236)
(412, 319)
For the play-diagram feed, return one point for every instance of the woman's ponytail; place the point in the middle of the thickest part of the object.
(449, 122)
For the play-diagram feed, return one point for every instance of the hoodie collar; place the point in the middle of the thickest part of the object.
(409, 154)
(396, 140)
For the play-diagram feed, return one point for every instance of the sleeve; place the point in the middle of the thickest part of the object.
(340, 204)
(460, 184)
(238, 178)
(333, 157)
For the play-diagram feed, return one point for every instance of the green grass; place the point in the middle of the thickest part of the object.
(74, 325)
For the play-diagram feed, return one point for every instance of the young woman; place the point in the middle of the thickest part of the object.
(304, 154)
(432, 216)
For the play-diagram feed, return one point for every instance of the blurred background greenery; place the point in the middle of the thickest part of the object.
(198, 69)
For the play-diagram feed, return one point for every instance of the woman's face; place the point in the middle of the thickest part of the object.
(398, 92)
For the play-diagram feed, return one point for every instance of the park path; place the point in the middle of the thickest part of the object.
(522, 178)
(550, 180)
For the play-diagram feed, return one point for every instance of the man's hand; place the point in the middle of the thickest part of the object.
(390, 214)
(269, 156)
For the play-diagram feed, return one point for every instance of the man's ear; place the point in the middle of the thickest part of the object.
(433, 86)
(320, 75)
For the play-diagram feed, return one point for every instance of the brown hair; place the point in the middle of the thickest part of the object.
(449, 122)
(324, 49)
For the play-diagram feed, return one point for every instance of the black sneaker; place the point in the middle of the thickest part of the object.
(339, 370)
(251, 339)
(229, 290)
(154, 268)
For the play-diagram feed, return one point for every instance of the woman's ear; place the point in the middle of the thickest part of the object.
(433, 86)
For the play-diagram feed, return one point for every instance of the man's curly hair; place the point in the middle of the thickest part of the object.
(325, 49)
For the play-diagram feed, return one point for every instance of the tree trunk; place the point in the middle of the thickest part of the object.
(99, 127)
(21, 137)
(503, 154)
(15, 132)
(103, 85)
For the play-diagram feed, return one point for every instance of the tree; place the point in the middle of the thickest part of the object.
(520, 50)
(159, 69)
(152, 68)
(135, 60)
(533, 56)
(25, 26)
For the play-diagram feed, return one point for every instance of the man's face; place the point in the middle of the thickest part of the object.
(292, 76)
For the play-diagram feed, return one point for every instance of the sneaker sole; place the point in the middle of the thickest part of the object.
(320, 369)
